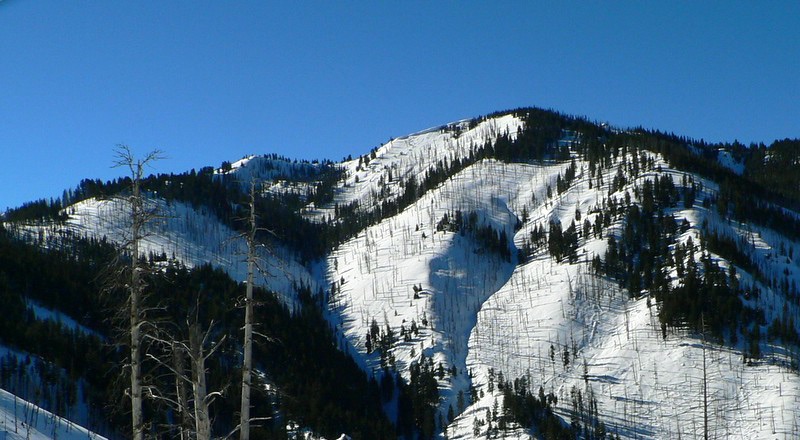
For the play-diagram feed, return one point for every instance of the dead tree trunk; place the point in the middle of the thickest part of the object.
(247, 363)
(135, 299)
(195, 413)
(179, 365)
(202, 417)
(139, 218)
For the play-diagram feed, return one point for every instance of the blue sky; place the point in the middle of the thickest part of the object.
(212, 81)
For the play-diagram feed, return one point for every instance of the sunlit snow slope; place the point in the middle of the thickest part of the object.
(179, 232)
(485, 313)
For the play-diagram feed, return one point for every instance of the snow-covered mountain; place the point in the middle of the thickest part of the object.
(486, 314)
(457, 267)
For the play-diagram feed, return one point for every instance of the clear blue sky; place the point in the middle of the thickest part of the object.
(213, 81)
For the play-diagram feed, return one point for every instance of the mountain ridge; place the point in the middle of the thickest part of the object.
(526, 182)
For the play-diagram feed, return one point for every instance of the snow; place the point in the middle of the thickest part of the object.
(44, 313)
(21, 420)
(279, 176)
(33, 386)
(726, 159)
(411, 157)
(267, 168)
(381, 266)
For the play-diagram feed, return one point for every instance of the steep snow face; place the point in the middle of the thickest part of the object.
(566, 328)
(191, 236)
(21, 420)
(402, 272)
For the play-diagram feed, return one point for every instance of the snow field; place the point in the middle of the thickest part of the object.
(646, 387)
(381, 266)
(191, 236)
(21, 420)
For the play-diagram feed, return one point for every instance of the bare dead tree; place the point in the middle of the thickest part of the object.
(251, 239)
(181, 397)
(705, 378)
(247, 363)
(203, 399)
(197, 347)
(140, 217)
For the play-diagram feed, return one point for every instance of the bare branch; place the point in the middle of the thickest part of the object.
(215, 347)
(169, 367)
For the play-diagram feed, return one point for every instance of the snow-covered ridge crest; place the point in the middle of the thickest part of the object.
(381, 171)
(386, 168)
(271, 167)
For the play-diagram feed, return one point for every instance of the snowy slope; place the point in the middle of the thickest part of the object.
(380, 267)
(411, 157)
(191, 236)
(484, 313)
(44, 313)
(645, 386)
(270, 168)
(21, 420)
(279, 176)
(727, 160)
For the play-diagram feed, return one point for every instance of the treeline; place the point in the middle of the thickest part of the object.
(302, 357)
(537, 141)
(775, 167)
(220, 195)
(67, 278)
(297, 352)
(770, 180)
(38, 210)
(193, 187)
(521, 407)
(647, 250)
(769, 177)
(417, 400)
(562, 244)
